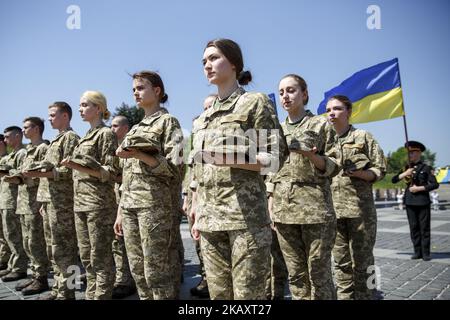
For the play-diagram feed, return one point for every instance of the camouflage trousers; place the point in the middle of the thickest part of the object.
(34, 243)
(278, 277)
(5, 253)
(123, 273)
(95, 235)
(64, 247)
(48, 242)
(307, 251)
(13, 234)
(237, 263)
(201, 266)
(353, 255)
(147, 240)
(176, 251)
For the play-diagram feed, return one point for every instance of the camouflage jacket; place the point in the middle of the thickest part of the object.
(230, 198)
(352, 197)
(59, 189)
(9, 191)
(302, 193)
(117, 186)
(144, 186)
(92, 193)
(26, 200)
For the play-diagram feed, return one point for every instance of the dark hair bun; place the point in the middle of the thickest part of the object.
(244, 78)
(164, 98)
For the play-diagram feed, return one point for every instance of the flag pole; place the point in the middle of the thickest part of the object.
(404, 114)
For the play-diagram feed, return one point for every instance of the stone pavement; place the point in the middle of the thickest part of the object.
(400, 277)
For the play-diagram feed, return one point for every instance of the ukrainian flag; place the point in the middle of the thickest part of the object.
(375, 92)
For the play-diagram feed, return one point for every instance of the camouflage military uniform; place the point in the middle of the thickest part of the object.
(32, 222)
(176, 243)
(357, 219)
(303, 212)
(231, 208)
(95, 211)
(147, 207)
(123, 273)
(5, 253)
(276, 280)
(56, 195)
(187, 192)
(11, 221)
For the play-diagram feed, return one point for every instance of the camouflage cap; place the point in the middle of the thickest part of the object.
(304, 140)
(147, 144)
(43, 166)
(86, 161)
(356, 162)
(231, 144)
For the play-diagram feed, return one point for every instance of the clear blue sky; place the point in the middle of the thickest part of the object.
(42, 61)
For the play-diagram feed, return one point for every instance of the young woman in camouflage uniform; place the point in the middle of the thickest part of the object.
(363, 163)
(302, 208)
(147, 204)
(94, 198)
(230, 207)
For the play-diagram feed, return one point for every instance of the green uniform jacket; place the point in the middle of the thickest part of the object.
(352, 197)
(230, 198)
(9, 191)
(26, 201)
(91, 193)
(59, 189)
(302, 193)
(146, 187)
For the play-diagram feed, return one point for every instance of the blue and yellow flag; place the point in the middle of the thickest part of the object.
(375, 92)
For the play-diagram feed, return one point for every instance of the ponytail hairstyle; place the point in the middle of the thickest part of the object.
(97, 98)
(233, 53)
(155, 81)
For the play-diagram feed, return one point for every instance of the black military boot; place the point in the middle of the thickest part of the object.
(121, 291)
(416, 255)
(14, 276)
(23, 284)
(4, 272)
(39, 285)
(48, 296)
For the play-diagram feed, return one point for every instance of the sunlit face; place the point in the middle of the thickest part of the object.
(88, 111)
(120, 130)
(337, 112)
(291, 95)
(208, 102)
(56, 118)
(145, 94)
(29, 130)
(12, 139)
(216, 66)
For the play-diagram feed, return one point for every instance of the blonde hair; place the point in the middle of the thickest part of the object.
(97, 98)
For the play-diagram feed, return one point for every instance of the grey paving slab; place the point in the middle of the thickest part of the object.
(400, 277)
